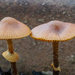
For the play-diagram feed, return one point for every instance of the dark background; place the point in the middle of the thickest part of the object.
(35, 54)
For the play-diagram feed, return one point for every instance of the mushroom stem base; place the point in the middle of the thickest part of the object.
(13, 68)
(55, 72)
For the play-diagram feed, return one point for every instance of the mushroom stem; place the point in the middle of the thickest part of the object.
(55, 57)
(13, 64)
(13, 70)
(10, 46)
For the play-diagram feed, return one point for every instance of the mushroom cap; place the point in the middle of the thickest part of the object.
(10, 57)
(11, 28)
(54, 31)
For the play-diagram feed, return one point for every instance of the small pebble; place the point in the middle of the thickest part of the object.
(47, 73)
(43, 3)
(26, 3)
(64, 12)
(72, 59)
(41, 20)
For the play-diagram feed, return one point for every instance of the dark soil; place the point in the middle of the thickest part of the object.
(34, 54)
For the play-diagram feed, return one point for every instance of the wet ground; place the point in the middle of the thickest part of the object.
(34, 54)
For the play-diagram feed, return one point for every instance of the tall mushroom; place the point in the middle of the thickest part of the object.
(54, 31)
(10, 29)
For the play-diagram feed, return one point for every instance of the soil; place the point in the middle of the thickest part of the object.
(35, 54)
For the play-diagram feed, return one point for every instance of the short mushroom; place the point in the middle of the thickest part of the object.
(10, 29)
(54, 31)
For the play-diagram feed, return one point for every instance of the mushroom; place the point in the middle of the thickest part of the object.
(10, 29)
(54, 31)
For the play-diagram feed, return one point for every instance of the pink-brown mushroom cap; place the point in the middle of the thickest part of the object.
(11, 28)
(54, 31)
